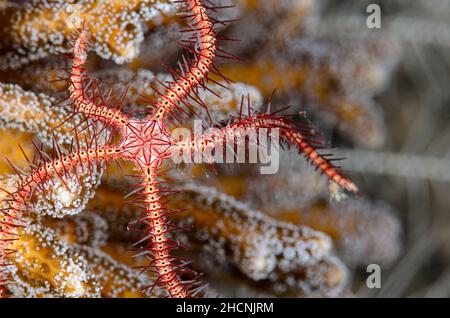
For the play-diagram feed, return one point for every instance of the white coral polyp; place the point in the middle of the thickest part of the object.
(68, 197)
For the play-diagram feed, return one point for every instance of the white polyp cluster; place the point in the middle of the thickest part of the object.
(20, 109)
(30, 112)
(42, 27)
(64, 196)
(336, 192)
(116, 277)
(88, 229)
(325, 279)
(262, 248)
(45, 265)
(67, 196)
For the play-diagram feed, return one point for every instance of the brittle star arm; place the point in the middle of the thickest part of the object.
(157, 230)
(18, 201)
(205, 53)
(288, 130)
(82, 103)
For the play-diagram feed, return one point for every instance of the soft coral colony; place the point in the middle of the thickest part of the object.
(55, 241)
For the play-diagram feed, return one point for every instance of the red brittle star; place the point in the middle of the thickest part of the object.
(147, 143)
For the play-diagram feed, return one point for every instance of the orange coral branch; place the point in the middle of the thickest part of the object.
(18, 202)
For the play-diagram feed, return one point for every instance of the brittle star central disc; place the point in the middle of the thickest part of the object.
(145, 140)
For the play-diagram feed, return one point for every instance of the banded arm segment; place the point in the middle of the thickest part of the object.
(82, 103)
(289, 130)
(205, 52)
(157, 230)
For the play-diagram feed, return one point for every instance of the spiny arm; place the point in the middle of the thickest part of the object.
(297, 136)
(290, 131)
(82, 103)
(156, 232)
(205, 37)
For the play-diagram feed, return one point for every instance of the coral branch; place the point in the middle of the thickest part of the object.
(363, 232)
(44, 266)
(259, 245)
(19, 201)
(117, 279)
(30, 112)
(231, 232)
(35, 29)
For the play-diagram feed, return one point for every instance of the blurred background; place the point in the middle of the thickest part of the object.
(385, 108)
(407, 169)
